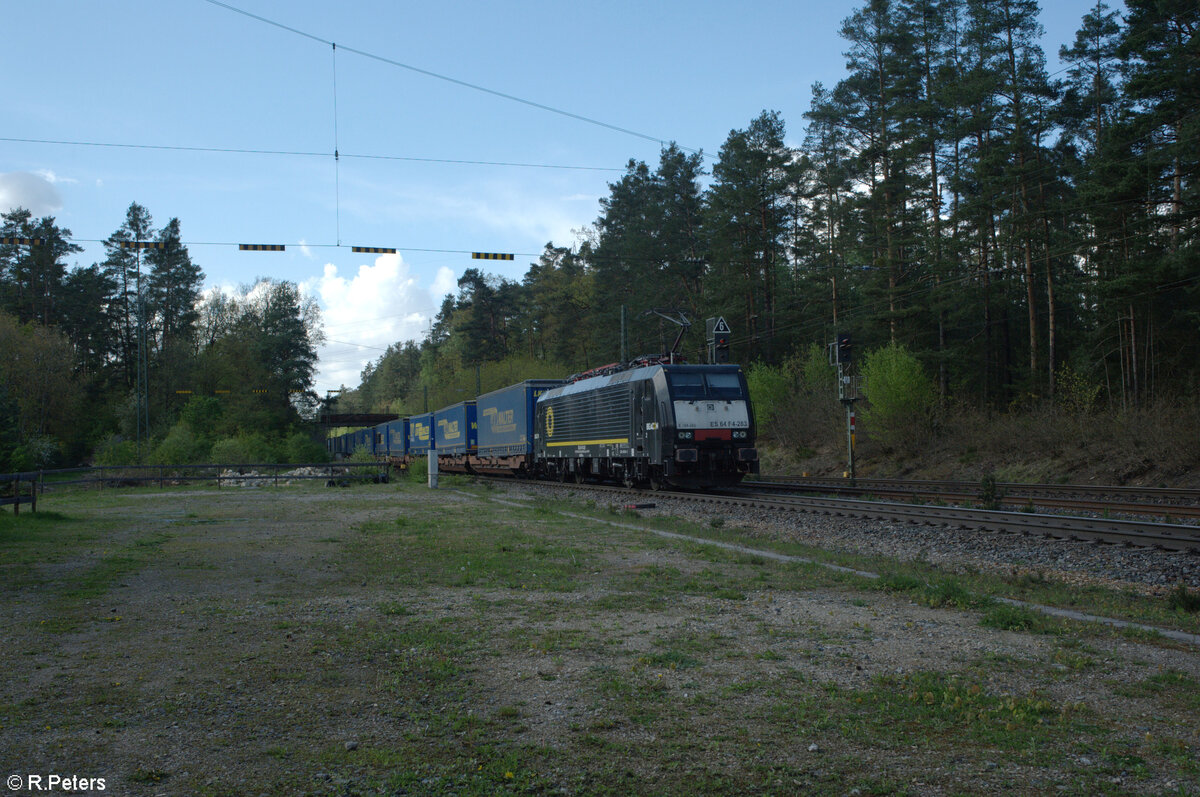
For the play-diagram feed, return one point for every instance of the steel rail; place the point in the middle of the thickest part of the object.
(1045, 496)
(1021, 489)
(1139, 533)
(1168, 536)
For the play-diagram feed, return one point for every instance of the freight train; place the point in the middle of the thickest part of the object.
(651, 423)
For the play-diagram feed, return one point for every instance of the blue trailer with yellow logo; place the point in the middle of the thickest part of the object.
(391, 441)
(345, 445)
(420, 434)
(506, 423)
(456, 436)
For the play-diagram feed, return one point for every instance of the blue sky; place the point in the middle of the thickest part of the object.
(192, 75)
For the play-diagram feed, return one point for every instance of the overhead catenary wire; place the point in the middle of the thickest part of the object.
(338, 154)
(308, 154)
(401, 249)
(337, 173)
(462, 83)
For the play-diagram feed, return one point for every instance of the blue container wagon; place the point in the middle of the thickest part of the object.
(456, 436)
(420, 434)
(391, 441)
(506, 424)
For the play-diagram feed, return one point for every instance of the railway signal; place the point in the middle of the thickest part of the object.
(719, 335)
(845, 351)
(841, 354)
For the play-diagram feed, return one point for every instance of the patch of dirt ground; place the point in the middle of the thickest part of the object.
(272, 642)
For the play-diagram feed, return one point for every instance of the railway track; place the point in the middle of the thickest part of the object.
(1139, 533)
(1143, 533)
(1146, 502)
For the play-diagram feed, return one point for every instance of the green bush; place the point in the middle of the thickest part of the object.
(361, 454)
(772, 391)
(1076, 394)
(180, 447)
(902, 399)
(37, 453)
(243, 449)
(117, 451)
(203, 415)
(9, 436)
(417, 472)
(816, 374)
(300, 448)
(21, 459)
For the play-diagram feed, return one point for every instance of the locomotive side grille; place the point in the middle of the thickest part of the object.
(591, 418)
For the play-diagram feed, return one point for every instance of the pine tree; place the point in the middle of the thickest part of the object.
(1155, 156)
(123, 267)
(879, 97)
(649, 245)
(747, 222)
(32, 275)
(172, 294)
(173, 289)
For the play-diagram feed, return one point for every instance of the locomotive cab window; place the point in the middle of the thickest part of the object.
(686, 386)
(697, 386)
(724, 386)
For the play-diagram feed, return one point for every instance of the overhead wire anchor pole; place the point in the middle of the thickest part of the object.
(337, 176)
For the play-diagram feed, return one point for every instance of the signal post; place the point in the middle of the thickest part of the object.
(841, 355)
(718, 335)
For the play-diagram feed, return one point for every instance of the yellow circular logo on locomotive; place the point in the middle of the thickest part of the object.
(549, 422)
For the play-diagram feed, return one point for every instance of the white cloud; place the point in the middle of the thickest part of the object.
(53, 178)
(305, 249)
(445, 282)
(34, 192)
(365, 313)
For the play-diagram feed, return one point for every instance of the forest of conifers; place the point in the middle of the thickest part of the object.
(1008, 226)
(126, 361)
(1014, 230)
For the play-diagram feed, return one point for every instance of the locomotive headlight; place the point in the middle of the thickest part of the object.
(739, 435)
(685, 435)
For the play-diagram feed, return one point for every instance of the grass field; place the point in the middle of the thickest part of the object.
(388, 639)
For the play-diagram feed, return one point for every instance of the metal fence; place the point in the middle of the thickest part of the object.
(13, 490)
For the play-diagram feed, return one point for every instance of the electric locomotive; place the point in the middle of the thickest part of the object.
(654, 424)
